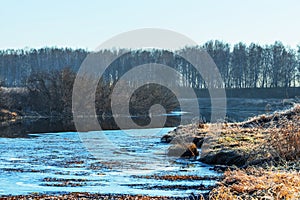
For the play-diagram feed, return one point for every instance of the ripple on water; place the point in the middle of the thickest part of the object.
(60, 162)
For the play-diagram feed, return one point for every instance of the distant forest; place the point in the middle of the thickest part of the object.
(241, 66)
(40, 82)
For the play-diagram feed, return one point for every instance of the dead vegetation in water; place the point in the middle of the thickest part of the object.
(179, 177)
(86, 195)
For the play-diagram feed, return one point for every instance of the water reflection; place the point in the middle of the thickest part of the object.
(237, 110)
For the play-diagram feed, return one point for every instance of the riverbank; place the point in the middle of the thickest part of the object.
(260, 156)
(254, 93)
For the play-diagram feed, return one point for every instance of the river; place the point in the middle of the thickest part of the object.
(60, 162)
(127, 162)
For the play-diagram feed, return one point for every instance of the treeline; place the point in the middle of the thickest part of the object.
(240, 65)
(49, 95)
(40, 82)
(16, 66)
(256, 66)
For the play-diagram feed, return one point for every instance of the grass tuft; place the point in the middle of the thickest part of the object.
(252, 183)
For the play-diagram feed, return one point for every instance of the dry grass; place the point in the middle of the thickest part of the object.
(285, 141)
(258, 184)
(275, 137)
(269, 142)
(276, 140)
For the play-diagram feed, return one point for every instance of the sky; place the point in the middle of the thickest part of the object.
(88, 23)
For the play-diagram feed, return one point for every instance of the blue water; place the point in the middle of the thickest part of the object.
(108, 161)
(65, 162)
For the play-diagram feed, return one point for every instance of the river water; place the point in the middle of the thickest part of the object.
(61, 162)
(120, 162)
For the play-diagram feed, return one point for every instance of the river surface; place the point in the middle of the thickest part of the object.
(61, 162)
(120, 162)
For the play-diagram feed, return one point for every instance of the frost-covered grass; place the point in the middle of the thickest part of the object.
(258, 183)
(275, 150)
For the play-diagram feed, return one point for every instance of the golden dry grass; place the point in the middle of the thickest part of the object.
(279, 140)
(286, 140)
(258, 184)
(263, 137)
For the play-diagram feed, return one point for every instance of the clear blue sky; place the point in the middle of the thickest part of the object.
(88, 23)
